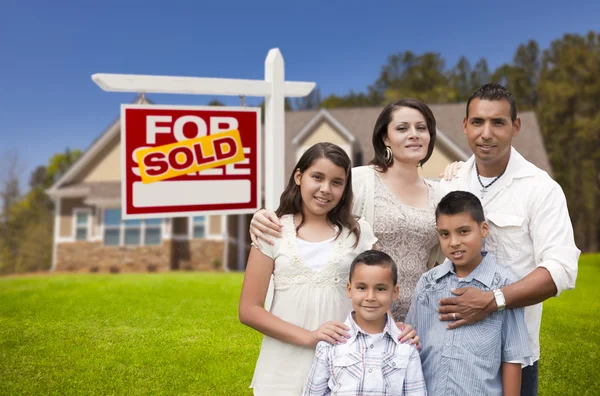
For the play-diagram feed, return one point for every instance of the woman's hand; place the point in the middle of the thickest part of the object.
(331, 332)
(264, 223)
(451, 170)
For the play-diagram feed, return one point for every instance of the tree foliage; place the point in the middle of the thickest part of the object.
(27, 225)
(569, 115)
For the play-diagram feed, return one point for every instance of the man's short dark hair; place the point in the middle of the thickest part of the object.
(375, 257)
(458, 202)
(494, 92)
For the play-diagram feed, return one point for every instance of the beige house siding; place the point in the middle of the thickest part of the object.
(107, 167)
(214, 225)
(435, 165)
(324, 133)
(67, 205)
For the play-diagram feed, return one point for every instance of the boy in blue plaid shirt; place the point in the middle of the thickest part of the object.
(372, 361)
(483, 358)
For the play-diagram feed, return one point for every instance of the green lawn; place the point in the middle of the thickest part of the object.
(178, 333)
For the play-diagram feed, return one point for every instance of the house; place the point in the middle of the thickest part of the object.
(89, 234)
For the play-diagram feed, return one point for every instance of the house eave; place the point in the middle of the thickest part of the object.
(319, 117)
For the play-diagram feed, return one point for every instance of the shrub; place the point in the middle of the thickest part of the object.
(114, 269)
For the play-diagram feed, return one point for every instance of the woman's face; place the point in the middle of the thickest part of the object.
(407, 135)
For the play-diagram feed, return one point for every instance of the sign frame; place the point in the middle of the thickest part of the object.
(156, 215)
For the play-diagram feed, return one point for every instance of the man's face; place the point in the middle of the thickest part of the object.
(490, 130)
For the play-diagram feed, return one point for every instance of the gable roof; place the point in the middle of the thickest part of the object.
(90, 153)
(322, 115)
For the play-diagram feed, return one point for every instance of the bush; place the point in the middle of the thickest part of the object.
(94, 268)
(152, 267)
(216, 264)
(114, 269)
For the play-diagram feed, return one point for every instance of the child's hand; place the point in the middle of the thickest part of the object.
(331, 332)
(408, 333)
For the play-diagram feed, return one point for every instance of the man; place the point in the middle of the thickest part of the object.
(530, 230)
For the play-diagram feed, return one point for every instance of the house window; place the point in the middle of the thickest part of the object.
(198, 226)
(133, 232)
(152, 234)
(112, 227)
(82, 224)
(119, 232)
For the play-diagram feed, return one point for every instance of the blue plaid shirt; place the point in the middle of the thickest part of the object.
(366, 365)
(467, 360)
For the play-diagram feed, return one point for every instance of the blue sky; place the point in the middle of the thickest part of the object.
(49, 50)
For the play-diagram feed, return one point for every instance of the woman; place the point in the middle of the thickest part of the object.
(391, 196)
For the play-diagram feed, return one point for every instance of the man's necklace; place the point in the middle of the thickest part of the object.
(484, 187)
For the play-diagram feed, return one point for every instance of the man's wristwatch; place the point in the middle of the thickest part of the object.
(500, 301)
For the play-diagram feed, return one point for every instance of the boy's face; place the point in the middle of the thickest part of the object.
(461, 238)
(372, 291)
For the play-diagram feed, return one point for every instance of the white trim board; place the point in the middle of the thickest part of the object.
(323, 115)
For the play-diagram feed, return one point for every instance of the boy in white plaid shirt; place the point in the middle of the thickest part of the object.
(372, 361)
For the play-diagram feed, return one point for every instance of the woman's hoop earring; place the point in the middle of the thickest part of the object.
(389, 156)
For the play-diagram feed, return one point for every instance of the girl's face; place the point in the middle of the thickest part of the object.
(407, 135)
(321, 186)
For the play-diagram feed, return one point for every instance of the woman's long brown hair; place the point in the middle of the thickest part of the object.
(291, 199)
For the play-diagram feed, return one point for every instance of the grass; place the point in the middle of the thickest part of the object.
(178, 333)
(174, 333)
(570, 336)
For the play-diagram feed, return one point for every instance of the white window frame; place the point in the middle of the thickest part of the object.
(88, 211)
(122, 227)
(191, 225)
(112, 227)
(144, 226)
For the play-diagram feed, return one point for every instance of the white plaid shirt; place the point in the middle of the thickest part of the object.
(366, 365)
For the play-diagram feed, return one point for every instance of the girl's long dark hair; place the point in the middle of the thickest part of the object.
(291, 199)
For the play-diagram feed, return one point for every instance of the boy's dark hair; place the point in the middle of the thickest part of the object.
(291, 199)
(375, 257)
(495, 92)
(458, 202)
(381, 129)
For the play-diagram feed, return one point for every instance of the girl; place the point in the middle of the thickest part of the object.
(310, 264)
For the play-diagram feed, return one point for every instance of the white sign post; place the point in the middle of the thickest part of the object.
(273, 88)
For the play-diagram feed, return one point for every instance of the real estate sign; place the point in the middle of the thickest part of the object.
(185, 160)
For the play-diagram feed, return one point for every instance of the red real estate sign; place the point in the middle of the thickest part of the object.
(163, 146)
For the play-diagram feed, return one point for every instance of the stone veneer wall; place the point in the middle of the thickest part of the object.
(204, 255)
(81, 256)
